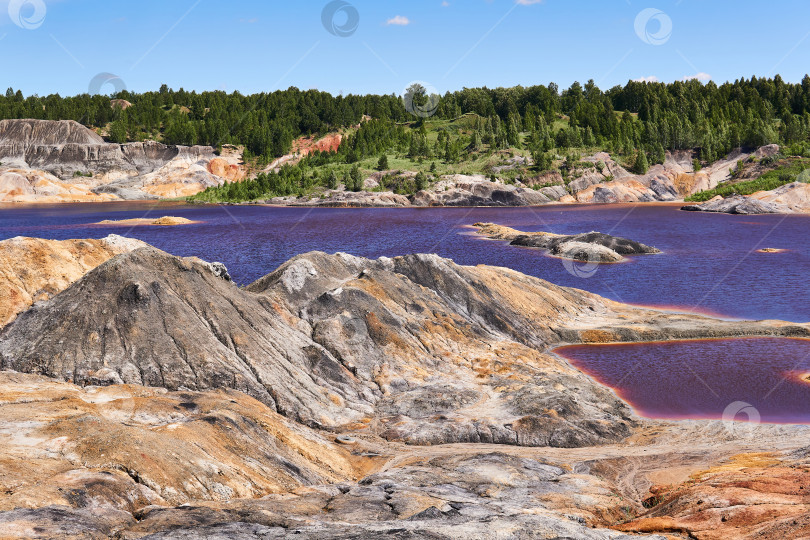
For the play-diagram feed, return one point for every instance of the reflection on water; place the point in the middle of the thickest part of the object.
(709, 262)
(704, 378)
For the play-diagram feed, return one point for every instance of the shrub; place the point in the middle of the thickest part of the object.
(737, 171)
(332, 180)
(421, 181)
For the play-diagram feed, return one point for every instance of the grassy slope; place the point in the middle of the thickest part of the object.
(784, 174)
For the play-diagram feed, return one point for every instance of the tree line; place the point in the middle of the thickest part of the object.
(653, 117)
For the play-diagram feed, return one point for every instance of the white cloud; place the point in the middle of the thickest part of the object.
(702, 77)
(528, 2)
(650, 79)
(445, 3)
(399, 20)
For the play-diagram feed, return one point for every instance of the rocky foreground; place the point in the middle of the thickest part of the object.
(341, 397)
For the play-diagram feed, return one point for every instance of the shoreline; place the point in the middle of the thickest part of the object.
(157, 203)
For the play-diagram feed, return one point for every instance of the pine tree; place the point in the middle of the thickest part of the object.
(356, 179)
(118, 132)
(332, 180)
(641, 165)
(421, 181)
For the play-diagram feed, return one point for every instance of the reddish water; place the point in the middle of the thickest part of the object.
(702, 379)
(708, 265)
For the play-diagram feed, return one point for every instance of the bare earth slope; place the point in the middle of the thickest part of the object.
(793, 198)
(341, 397)
(32, 269)
(41, 159)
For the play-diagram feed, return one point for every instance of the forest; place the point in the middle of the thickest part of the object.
(637, 122)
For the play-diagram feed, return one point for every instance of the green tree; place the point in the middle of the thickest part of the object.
(382, 163)
(118, 132)
(642, 165)
(332, 180)
(421, 181)
(356, 179)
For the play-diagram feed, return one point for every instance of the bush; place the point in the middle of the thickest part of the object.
(737, 171)
(696, 165)
(421, 181)
(332, 181)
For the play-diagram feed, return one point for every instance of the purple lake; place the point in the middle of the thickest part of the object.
(709, 262)
(705, 378)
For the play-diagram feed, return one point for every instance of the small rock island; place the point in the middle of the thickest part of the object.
(592, 246)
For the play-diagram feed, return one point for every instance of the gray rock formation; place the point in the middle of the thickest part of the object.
(330, 340)
(346, 199)
(553, 243)
(737, 204)
(593, 247)
(129, 171)
(426, 351)
(64, 147)
(476, 191)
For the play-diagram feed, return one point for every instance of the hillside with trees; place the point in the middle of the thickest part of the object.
(473, 130)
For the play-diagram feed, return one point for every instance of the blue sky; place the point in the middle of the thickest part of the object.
(263, 45)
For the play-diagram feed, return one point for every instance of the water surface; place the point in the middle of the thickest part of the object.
(708, 265)
(750, 378)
